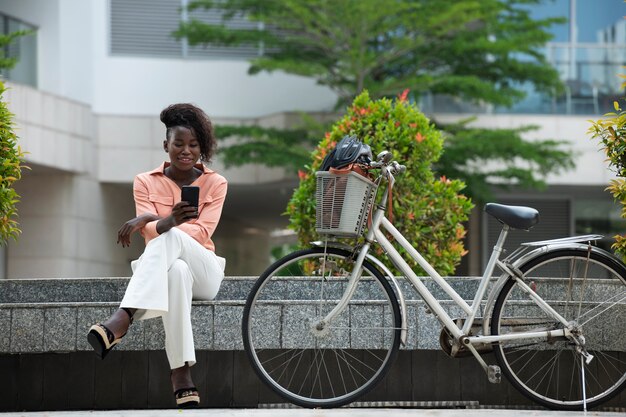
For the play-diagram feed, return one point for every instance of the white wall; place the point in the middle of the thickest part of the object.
(69, 224)
(144, 86)
(56, 132)
(590, 162)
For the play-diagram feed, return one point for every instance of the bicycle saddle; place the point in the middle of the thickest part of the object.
(517, 217)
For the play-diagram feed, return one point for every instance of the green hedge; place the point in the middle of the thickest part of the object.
(429, 211)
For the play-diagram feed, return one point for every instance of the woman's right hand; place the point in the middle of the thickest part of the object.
(182, 212)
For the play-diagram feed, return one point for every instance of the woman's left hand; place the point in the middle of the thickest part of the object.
(131, 226)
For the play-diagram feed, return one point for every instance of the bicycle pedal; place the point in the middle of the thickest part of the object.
(494, 374)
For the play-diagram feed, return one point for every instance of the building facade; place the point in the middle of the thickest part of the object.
(95, 75)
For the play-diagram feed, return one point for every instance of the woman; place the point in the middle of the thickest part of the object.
(179, 262)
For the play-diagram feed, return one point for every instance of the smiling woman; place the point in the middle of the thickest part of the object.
(179, 262)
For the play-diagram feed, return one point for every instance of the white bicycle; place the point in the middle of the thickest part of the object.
(322, 326)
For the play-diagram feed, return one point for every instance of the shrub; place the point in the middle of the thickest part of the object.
(611, 130)
(11, 158)
(428, 211)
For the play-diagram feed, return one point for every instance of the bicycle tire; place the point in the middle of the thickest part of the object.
(549, 371)
(298, 362)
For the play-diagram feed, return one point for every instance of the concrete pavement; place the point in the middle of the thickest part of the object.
(300, 412)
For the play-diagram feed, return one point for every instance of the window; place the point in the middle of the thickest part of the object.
(144, 28)
(23, 48)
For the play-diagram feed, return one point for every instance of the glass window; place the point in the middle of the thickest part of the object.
(598, 16)
(554, 8)
(24, 49)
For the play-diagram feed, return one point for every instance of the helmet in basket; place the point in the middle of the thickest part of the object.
(349, 150)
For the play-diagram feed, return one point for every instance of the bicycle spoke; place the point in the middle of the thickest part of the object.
(300, 356)
(623, 298)
(343, 381)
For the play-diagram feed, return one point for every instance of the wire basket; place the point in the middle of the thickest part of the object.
(343, 203)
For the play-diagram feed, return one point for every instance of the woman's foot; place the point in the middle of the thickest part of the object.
(185, 392)
(103, 337)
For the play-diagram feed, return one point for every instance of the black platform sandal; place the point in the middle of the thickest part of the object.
(102, 340)
(187, 397)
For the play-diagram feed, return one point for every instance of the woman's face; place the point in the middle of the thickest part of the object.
(183, 148)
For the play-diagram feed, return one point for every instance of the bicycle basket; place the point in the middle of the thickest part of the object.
(343, 203)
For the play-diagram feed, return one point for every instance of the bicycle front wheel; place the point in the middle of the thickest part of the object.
(312, 365)
(589, 290)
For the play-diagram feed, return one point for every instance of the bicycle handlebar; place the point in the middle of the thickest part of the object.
(388, 166)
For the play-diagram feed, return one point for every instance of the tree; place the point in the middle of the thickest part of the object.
(11, 156)
(477, 49)
(483, 51)
(484, 158)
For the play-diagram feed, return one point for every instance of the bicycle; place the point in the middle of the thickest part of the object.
(322, 326)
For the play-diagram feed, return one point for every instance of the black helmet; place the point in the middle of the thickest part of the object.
(349, 149)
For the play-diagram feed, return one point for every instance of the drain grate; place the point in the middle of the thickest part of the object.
(392, 404)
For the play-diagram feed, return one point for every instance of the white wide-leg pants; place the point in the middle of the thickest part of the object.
(173, 270)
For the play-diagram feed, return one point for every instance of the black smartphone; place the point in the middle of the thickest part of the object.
(190, 193)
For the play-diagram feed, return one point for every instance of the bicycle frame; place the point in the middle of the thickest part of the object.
(376, 233)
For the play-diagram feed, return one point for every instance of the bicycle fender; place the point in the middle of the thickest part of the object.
(378, 263)
(556, 247)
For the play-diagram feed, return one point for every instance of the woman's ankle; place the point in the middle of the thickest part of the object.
(130, 312)
(119, 322)
(181, 378)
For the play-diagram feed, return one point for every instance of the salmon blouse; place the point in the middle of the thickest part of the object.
(155, 193)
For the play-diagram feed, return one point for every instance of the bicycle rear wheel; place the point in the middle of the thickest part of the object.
(586, 288)
(304, 364)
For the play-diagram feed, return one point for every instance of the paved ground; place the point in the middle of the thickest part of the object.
(342, 412)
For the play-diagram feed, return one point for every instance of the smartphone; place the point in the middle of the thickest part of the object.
(190, 193)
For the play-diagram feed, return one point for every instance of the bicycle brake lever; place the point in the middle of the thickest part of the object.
(384, 157)
(396, 168)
